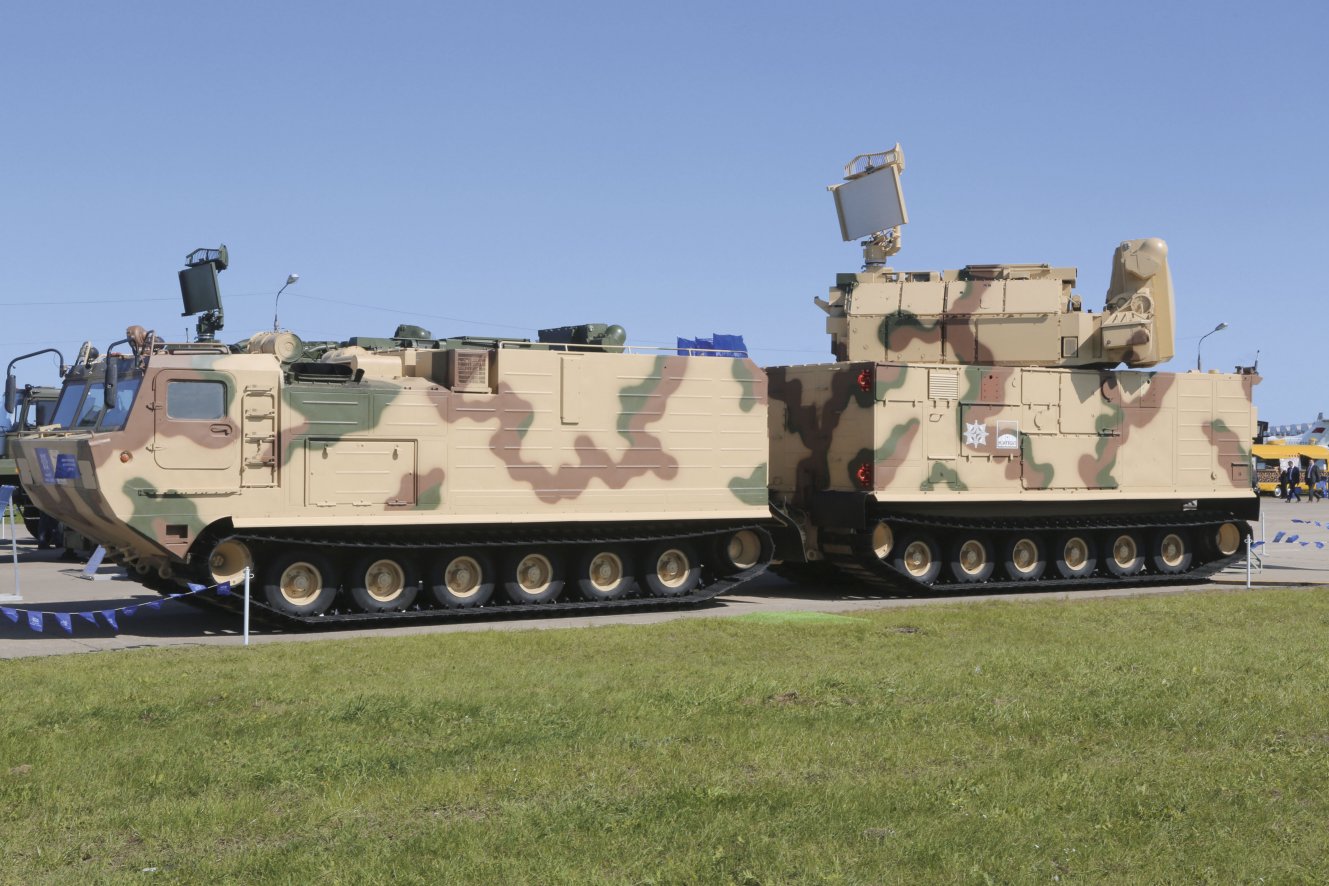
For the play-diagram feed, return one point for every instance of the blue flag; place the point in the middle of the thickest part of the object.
(90, 617)
(194, 589)
(65, 621)
(11, 614)
(109, 615)
(155, 604)
(224, 589)
(35, 621)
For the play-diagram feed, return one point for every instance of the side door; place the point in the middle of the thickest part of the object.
(196, 427)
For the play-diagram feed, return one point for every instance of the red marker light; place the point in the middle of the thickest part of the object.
(864, 476)
(865, 380)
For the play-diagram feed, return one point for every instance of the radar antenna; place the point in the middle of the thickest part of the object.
(870, 203)
(199, 290)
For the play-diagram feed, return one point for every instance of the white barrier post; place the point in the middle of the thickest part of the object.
(1248, 561)
(246, 605)
(6, 503)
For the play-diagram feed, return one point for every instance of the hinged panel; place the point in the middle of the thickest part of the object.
(364, 473)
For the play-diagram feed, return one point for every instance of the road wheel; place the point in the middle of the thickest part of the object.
(670, 569)
(740, 550)
(1170, 551)
(229, 560)
(461, 579)
(382, 583)
(1074, 555)
(301, 582)
(1023, 558)
(971, 559)
(918, 557)
(533, 576)
(1123, 555)
(605, 572)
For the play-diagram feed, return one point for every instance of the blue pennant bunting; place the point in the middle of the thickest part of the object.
(36, 619)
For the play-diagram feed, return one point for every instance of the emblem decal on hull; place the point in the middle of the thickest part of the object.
(975, 434)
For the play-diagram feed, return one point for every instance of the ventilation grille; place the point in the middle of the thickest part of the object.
(469, 371)
(943, 384)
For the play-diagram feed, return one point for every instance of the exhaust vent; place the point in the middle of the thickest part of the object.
(943, 384)
(468, 371)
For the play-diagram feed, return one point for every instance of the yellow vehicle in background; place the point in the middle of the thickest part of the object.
(1271, 458)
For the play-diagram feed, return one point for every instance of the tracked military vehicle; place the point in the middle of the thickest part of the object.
(412, 476)
(975, 431)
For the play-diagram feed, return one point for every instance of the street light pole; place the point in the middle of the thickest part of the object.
(1219, 328)
(291, 278)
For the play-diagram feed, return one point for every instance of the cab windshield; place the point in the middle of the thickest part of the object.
(67, 409)
(81, 405)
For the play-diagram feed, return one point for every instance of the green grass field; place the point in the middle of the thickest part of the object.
(1169, 739)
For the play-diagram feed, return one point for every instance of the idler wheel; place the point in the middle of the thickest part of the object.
(1228, 538)
(736, 551)
(229, 560)
(605, 573)
(461, 579)
(382, 583)
(882, 540)
(1075, 555)
(301, 582)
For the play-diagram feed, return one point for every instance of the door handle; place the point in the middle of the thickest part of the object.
(222, 429)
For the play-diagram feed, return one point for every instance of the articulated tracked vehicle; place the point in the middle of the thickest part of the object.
(405, 476)
(974, 432)
(975, 429)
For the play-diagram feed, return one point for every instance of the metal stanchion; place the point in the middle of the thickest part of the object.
(7, 515)
(1248, 560)
(246, 605)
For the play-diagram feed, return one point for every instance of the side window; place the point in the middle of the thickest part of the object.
(202, 400)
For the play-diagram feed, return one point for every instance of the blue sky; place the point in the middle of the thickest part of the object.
(512, 166)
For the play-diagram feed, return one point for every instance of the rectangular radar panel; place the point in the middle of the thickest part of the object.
(870, 203)
(198, 288)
